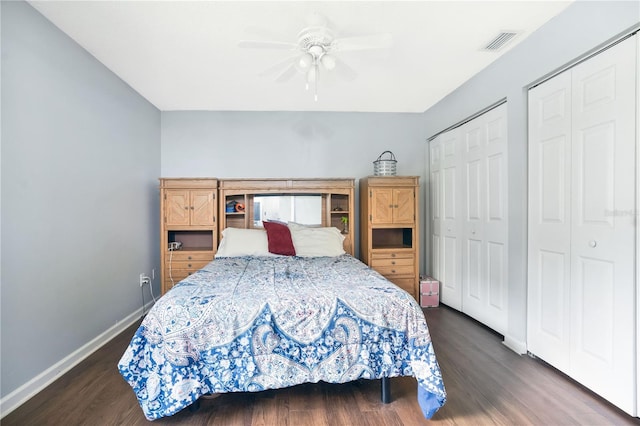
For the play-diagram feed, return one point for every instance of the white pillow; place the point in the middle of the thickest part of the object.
(243, 242)
(312, 241)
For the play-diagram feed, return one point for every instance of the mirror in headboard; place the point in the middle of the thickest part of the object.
(245, 203)
(305, 209)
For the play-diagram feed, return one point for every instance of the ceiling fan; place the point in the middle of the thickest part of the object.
(317, 48)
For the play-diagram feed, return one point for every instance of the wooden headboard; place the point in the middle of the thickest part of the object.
(337, 201)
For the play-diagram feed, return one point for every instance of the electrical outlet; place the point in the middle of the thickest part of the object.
(144, 279)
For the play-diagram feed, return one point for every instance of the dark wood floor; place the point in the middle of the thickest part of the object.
(486, 383)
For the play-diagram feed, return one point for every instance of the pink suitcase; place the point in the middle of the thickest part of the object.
(429, 292)
(429, 285)
(429, 300)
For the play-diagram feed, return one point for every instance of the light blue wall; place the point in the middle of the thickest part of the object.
(289, 144)
(80, 162)
(286, 144)
(580, 29)
(80, 157)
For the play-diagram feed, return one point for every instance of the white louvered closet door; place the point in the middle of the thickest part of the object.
(582, 223)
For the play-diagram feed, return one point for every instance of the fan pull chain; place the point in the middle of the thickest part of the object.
(315, 96)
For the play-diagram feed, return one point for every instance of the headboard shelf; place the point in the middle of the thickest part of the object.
(336, 202)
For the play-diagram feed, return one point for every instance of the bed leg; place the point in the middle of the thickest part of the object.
(386, 390)
(195, 406)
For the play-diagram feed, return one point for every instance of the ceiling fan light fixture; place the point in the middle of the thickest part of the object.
(328, 62)
(305, 61)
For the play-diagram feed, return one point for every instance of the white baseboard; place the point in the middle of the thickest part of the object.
(515, 345)
(22, 394)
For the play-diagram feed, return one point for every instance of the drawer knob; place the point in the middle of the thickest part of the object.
(189, 265)
(189, 257)
(593, 243)
(393, 262)
(393, 271)
(393, 255)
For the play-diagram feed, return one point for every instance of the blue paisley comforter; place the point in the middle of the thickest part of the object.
(254, 323)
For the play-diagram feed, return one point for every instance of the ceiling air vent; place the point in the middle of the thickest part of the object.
(500, 41)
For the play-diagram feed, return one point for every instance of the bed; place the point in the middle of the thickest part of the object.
(253, 320)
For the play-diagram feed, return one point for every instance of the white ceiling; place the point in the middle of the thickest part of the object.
(184, 55)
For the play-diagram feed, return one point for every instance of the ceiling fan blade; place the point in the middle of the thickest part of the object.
(257, 44)
(375, 41)
(279, 65)
(286, 75)
(345, 71)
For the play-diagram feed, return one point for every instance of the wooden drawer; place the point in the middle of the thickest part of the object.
(391, 261)
(395, 270)
(181, 269)
(394, 266)
(179, 255)
(177, 275)
(391, 255)
(189, 265)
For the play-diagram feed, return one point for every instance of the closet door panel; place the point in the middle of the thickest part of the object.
(474, 190)
(451, 222)
(554, 167)
(469, 217)
(473, 270)
(496, 277)
(474, 282)
(549, 241)
(485, 269)
(496, 222)
(496, 188)
(596, 309)
(436, 261)
(603, 224)
(552, 273)
(435, 166)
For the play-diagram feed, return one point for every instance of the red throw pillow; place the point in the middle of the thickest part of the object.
(279, 238)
